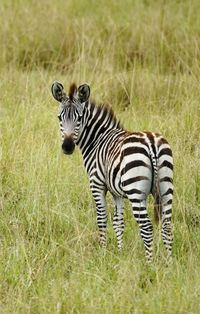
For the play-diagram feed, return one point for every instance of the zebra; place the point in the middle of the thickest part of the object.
(128, 165)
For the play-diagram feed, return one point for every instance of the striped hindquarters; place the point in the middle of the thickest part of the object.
(147, 167)
(136, 167)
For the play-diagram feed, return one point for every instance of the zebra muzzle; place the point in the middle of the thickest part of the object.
(68, 145)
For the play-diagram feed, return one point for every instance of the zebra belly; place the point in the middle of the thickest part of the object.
(113, 177)
(116, 188)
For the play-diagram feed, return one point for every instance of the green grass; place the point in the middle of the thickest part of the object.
(143, 58)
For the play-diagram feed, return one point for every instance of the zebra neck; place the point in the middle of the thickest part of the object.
(99, 121)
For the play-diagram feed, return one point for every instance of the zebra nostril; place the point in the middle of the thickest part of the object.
(68, 146)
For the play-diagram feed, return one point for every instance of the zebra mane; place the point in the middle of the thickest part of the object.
(72, 90)
(105, 108)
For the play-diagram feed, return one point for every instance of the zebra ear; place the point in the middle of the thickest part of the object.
(83, 92)
(57, 90)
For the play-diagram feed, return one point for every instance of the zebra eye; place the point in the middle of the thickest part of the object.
(59, 118)
(79, 118)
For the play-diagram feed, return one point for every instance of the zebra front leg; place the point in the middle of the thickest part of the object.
(145, 225)
(100, 201)
(118, 220)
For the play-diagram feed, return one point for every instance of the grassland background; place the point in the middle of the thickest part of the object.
(143, 58)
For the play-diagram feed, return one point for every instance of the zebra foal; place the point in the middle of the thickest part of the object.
(129, 165)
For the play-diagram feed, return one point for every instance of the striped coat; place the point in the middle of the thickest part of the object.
(129, 165)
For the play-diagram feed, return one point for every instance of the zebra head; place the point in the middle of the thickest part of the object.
(70, 112)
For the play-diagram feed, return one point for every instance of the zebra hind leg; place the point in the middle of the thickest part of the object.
(166, 232)
(118, 220)
(145, 225)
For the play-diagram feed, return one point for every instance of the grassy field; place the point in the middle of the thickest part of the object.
(143, 58)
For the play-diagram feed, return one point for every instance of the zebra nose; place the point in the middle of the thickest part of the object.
(68, 145)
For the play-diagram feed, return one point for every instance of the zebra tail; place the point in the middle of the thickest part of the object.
(157, 207)
(155, 189)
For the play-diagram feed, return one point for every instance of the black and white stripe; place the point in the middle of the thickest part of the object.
(129, 165)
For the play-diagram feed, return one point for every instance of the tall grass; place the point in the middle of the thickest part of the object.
(142, 57)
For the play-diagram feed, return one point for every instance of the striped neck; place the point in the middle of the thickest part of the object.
(98, 121)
